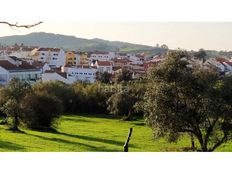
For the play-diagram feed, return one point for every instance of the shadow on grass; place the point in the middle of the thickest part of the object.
(96, 116)
(59, 140)
(75, 119)
(10, 146)
(96, 139)
(16, 131)
(139, 124)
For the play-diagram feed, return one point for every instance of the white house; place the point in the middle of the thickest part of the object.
(23, 52)
(55, 75)
(102, 56)
(228, 66)
(41, 65)
(55, 57)
(103, 66)
(121, 55)
(80, 73)
(21, 69)
(135, 59)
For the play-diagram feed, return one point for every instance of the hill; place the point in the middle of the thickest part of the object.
(71, 42)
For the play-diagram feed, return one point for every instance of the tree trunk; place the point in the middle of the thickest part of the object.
(192, 142)
(204, 147)
(15, 123)
(202, 143)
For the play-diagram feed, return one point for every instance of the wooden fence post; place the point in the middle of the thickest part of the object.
(126, 145)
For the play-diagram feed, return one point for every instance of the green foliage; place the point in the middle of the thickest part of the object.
(124, 102)
(181, 99)
(103, 77)
(201, 54)
(123, 76)
(41, 111)
(34, 107)
(91, 98)
(62, 91)
(10, 99)
(91, 133)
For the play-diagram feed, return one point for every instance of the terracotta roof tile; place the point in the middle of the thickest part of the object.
(229, 63)
(9, 66)
(49, 49)
(38, 64)
(104, 63)
(219, 59)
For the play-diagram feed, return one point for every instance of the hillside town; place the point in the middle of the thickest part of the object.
(33, 64)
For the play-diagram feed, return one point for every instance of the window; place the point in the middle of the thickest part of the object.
(90, 73)
(41, 58)
(85, 73)
(43, 54)
(81, 73)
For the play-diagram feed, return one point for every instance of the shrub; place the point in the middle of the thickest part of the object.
(41, 111)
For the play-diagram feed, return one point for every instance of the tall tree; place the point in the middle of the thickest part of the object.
(104, 77)
(181, 99)
(124, 102)
(11, 97)
(201, 54)
(124, 76)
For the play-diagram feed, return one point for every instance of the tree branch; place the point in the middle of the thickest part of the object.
(20, 26)
(210, 130)
(219, 142)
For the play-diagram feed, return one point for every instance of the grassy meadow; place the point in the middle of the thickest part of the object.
(98, 133)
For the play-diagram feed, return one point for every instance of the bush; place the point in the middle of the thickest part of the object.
(124, 102)
(41, 111)
(62, 91)
(90, 98)
(10, 101)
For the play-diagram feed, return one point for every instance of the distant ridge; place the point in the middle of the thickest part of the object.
(43, 39)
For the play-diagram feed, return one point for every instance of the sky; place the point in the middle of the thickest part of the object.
(145, 22)
(185, 35)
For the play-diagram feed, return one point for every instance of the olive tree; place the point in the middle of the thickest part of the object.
(10, 100)
(185, 99)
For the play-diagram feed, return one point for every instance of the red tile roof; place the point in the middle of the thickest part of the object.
(229, 63)
(9, 66)
(49, 49)
(38, 64)
(26, 65)
(58, 71)
(116, 68)
(219, 59)
(104, 63)
(121, 60)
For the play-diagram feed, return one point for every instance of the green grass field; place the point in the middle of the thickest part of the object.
(90, 134)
